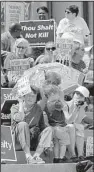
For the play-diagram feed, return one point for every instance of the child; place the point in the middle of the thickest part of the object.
(57, 130)
(77, 118)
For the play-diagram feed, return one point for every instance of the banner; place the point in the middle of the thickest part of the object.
(14, 13)
(38, 32)
(7, 144)
(7, 99)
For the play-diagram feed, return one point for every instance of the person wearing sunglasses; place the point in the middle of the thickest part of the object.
(48, 56)
(73, 26)
(21, 53)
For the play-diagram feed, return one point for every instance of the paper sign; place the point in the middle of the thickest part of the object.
(18, 66)
(7, 99)
(23, 86)
(38, 32)
(89, 146)
(7, 144)
(64, 47)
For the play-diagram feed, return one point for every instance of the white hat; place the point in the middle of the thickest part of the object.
(83, 90)
(88, 48)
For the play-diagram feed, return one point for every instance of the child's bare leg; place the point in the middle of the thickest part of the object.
(62, 151)
(71, 146)
(56, 149)
(80, 145)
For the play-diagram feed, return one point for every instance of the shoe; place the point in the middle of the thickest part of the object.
(63, 160)
(74, 159)
(81, 158)
(38, 160)
(30, 160)
(56, 160)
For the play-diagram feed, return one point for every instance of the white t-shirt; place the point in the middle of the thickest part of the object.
(77, 28)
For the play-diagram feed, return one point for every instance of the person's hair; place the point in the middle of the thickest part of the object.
(73, 9)
(43, 8)
(14, 27)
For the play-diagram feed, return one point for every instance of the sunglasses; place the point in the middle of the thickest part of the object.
(68, 12)
(52, 48)
(21, 47)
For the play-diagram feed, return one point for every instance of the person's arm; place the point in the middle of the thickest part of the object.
(43, 101)
(17, 112)
(38, 59)
(70, 117)
(60, 27)
(42, 125)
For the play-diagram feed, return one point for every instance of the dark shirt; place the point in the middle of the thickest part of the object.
(80, 66)
(56, 118)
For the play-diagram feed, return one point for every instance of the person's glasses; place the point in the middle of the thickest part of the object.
(21, 47)
(68, 12)
(51, 48)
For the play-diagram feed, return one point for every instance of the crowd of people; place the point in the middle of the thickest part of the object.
(64, 128)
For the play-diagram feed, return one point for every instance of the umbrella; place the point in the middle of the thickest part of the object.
(36, 76)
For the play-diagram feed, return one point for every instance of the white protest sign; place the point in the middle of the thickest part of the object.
(64, 47)
(23, 86)
(89, 146)
(18, 66)
(7, 144)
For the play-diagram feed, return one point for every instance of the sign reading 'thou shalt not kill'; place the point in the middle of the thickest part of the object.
(38, 32)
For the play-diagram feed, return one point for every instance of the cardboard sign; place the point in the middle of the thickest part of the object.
(89, 146)
(38, 32)
(18, 66)
(23, 86)
(64, 47)
(7, 99)
(7, 145)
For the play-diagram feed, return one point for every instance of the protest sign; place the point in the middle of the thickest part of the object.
(18, 66)
(7, 144)
(89, 77)
(7, 99)
(64, 47)
(23, 86)
(89, 146)
(38, 32)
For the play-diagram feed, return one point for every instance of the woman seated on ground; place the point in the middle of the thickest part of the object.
(48, 56)
(18, 61)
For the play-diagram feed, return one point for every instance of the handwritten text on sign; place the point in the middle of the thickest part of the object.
(7, 144)
(18, 66)
(23, 86)
(38, 32)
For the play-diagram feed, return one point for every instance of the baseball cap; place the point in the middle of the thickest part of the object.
(83, 90)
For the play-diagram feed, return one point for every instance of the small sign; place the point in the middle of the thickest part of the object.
(7, 99)
(38, 32)
(7, 144)
(89, 146)
(23, 86)
(64, 47)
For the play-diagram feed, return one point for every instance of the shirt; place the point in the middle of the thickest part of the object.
(56, 118)
(77, 28)
(33, 116)
(80, 66)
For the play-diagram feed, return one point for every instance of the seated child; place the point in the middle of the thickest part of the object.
(57, 131)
